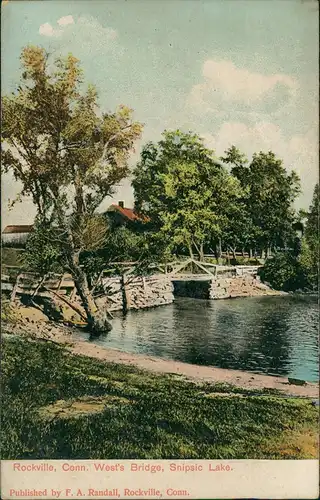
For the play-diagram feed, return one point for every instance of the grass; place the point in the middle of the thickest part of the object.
(57, 405)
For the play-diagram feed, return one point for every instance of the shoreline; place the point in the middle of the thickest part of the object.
(60, 334)
(195, 373)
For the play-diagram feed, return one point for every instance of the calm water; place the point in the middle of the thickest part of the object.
(271, 335)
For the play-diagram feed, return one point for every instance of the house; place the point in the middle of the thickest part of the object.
(16, 234)
(120, 215)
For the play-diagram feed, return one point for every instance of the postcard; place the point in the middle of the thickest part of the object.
(160, 249)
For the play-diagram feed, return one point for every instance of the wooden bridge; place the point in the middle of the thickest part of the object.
(192, 269)
(22, 282)
(61, 287)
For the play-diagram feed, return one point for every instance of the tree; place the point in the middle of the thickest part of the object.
(312, 223)
(290, 272)
(280, 271)
(43, 251)
(312, 232)
(67, 154)
(270, 192)
(120, 244)
(240, 231)
(183, 189)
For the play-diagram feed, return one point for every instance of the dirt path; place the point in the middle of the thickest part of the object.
(197, 373)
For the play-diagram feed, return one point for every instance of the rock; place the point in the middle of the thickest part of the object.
(100, 324)
(296, 381)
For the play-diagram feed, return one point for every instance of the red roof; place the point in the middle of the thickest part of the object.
(128, 213)
(17, 229)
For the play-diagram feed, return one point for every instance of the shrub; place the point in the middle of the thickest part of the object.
(290, 272)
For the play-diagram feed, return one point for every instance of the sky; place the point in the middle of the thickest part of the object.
(242, 72)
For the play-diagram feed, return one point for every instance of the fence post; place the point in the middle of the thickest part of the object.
(125, 294)
(14, 291)
(61, 280)
(41, 282)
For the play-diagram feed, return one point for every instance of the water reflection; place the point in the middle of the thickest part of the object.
(273, 335)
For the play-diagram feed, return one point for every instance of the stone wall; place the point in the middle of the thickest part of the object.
(144, 292)
(229, 283)
(139, 292)
(238, 286)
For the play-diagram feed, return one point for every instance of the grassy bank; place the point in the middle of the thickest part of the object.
(57, 405)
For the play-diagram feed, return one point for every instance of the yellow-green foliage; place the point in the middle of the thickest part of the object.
(8, 312)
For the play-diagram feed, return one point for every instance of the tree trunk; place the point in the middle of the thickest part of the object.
(197, 250)
(82, 287)
(216, 252)
(97, 320)
(125, 295)
(250, 253)
(201, 253)
(190, 251)
(220, 248)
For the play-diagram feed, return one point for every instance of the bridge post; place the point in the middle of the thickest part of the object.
(125, 294)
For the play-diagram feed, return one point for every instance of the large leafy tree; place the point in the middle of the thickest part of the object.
(67, 154)
(270, 192)
(184, 190)
(240, 231)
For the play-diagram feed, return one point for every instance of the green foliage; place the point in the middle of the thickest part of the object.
(58, 143)
(195, 204)
(120, 244)
(312, 226)
(289, 272)
(309, 264)
(266, 216)
(279, 271)
(123, 244)
(312, 232)
(12, 256)
(44, 252)
(151, 416)
(299, 269)
(68, 155)
(183, 189)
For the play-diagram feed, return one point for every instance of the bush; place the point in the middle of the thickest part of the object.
(44, 252)
(290, 272)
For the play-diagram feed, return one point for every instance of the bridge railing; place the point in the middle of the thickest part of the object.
(26, 283)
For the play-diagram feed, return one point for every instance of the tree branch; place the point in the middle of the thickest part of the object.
(107, 144)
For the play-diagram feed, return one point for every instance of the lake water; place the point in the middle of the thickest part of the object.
(270, 335)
